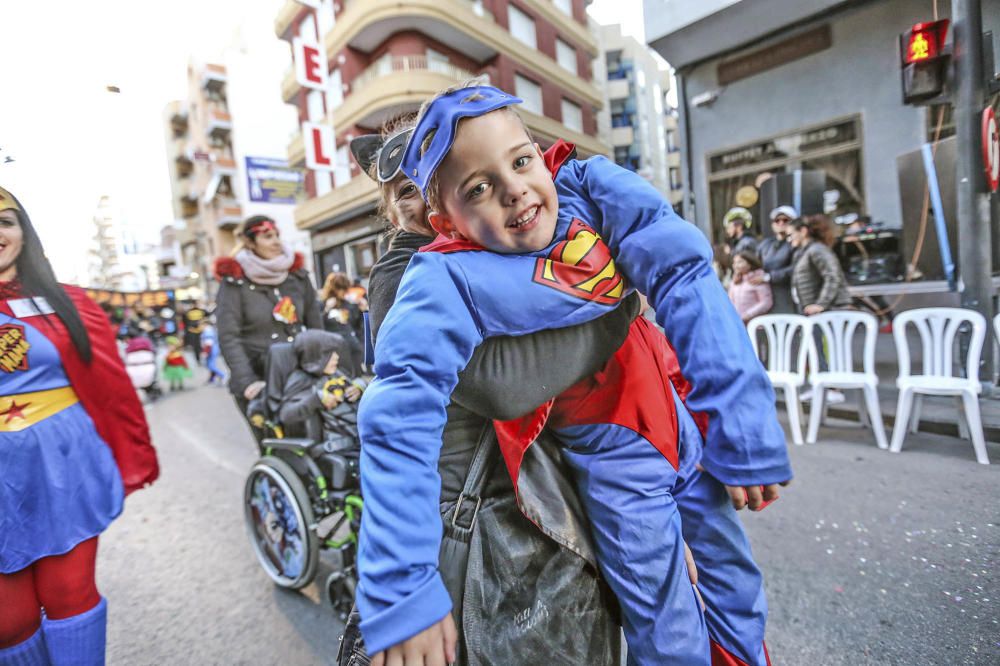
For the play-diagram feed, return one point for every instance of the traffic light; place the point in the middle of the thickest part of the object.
(924, 61)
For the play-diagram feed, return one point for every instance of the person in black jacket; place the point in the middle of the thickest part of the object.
(344, 318)
(777, 254)
(265, 296)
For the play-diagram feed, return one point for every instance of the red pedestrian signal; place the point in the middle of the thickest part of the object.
(925, 41)
(924, 61)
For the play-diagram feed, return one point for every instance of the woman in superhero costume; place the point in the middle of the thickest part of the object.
(73, 443)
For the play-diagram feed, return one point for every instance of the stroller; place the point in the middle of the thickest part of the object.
(140, 364)
(303, 495)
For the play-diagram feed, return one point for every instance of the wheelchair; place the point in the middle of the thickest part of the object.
(303, 495)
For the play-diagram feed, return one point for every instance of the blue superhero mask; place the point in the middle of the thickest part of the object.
(441, 117)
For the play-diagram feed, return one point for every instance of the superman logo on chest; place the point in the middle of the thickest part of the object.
(581, 266)
(13, 348)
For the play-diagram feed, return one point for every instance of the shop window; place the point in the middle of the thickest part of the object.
(572, 116)
(566, 56)
(522, 27)
(530, 92)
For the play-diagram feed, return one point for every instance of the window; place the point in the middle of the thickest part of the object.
(437, 61)
(307, 29)
(572, 116)
(530, 92)
(335, 96)
(671, 141)
(342, 167)
(566, 56)
(326, 18)
(675, 178)
(314, 106)
(522, 27)
(565, 5)
(322, 179)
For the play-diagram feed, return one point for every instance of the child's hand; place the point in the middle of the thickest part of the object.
(755, 497)
(434, 646)
(352, 393)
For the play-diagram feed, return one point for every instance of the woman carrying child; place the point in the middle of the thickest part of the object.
(506, 378)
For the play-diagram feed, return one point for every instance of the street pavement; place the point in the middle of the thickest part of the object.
(869, 557)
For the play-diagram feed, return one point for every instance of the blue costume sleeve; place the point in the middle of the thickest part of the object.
(426, 339)
(669, 260)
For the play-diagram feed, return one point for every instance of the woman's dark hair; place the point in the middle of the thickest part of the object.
(38, 280)
(819, 228)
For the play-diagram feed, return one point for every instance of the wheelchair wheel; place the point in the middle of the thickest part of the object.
(278, 517)
(340, 588)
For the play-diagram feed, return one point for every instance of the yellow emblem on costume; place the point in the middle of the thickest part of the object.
(7, 201)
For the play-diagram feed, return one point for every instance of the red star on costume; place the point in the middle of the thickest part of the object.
(14, 410)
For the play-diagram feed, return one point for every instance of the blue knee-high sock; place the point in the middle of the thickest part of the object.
(78, 640)
(31, 652)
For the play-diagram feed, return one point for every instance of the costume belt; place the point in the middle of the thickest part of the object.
(23, 410)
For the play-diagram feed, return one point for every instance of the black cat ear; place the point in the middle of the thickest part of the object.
(365, 150)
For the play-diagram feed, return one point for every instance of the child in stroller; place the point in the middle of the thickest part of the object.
(140, 364)
(304, 494)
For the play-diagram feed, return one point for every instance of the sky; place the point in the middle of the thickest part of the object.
(72, 141)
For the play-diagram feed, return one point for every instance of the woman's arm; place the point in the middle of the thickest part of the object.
(509, 377)
(313, 316)
(825, 263)
(229, 315)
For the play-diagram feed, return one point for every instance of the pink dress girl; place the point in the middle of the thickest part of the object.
(750, 294)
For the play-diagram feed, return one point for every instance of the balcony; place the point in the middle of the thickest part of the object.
(219, 123)
(617, 88)
(358, 194)
(179, 124)
(393, 85)
(224, 164)
(674, 158)
(228, 213)
(286, 16)
(622, 136)
(290, 86)
(189, 206)
(366, 24)
(213, 79)
(185, 167)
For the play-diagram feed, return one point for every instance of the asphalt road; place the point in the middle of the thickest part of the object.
(869, 557)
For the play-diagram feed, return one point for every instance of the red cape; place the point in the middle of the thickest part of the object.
(104, 389)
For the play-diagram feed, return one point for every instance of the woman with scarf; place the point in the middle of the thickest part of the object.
(265, 296)
(73, 443)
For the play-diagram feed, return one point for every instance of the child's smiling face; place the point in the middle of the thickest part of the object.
(495, 188)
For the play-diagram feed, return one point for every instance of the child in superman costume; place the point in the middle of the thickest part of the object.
(531, 241)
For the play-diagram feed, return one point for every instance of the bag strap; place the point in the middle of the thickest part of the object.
(478, 475)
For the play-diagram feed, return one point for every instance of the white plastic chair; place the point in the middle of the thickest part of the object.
(839, 329)
(787, 370)
(937, 328)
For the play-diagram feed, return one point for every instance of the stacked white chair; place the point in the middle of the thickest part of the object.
(839, 329)
(788, 339)
(938, 328)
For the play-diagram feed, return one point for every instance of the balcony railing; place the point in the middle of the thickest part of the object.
(392, 64)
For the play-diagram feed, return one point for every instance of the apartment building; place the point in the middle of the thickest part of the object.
(636, 121)
(203, 172)
(387, 56)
